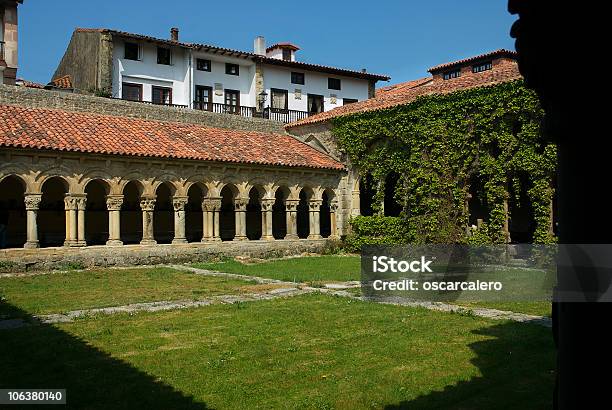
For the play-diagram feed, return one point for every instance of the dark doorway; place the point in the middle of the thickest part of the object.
(96, 213)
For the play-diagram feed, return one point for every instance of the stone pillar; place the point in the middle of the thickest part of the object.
(355, 203)
(266, 219)
(314, 207)
(216, 218)
(333, 208)
(207, 220)
(81, 202)
(70, 205)
(147, 205)
(179, 203)
(240, 205)
(32, 203)
(113, 204)
(291, 213)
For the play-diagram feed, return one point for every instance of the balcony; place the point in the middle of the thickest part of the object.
(286, 116)
(151, 102)
(218, 108)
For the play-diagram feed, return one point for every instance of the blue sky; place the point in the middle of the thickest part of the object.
(399, 38)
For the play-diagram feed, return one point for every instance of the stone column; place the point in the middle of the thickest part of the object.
(266, 219)
(240, 205)
(147, 205)
(291, 213)
(81, 202)
(32, 203)
(207, 220)
(333, 208)
(314, 207)
(216, 218)
(355, 203)
(113, 204)
(70, 205)
(179, 203)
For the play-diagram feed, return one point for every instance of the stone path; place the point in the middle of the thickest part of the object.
(289, 289)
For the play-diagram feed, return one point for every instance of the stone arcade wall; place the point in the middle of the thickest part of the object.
(22, 260)
(37, 98)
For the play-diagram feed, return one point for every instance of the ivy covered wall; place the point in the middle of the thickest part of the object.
(438, 145)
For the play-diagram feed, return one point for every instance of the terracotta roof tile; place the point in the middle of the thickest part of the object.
(23, 127)
(62, 82)
(407, 92)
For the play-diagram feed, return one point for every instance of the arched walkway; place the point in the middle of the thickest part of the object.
(279, 213)
(325, 214)
(303, 213)
(253, 214)
(391, 206)
(52, 213)
(96, 213)
(194, 224)
(163, 214)
(131, 214)
(12, 213)
(227, 219)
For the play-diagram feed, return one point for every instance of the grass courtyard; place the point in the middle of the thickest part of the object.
(310, 351)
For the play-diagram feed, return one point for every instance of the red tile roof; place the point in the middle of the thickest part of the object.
(29, 84)
(283, 45)
(22, 127)
(407, 92)
(62, 82)
(238, 53)
(502, 52)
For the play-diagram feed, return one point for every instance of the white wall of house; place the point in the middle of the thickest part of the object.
(242, 82)
(315, 83)
(146, 71)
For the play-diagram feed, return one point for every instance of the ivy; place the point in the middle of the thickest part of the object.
(436, 144)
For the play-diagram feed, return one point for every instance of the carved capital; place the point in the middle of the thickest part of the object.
(147, 204)
(267, 204)
(315, 205)
(240, 204)
(333, 206)
(81, 202)
(70, 203)
(211, 204)
(291, 205)
(179, 203)
(32, 201)
(114, 203)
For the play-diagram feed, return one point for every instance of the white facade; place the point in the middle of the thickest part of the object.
(183, 77)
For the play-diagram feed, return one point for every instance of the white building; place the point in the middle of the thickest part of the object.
(268, 81)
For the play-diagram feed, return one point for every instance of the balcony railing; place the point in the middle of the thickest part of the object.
(218, 108)
(151, 102)
(286, 116)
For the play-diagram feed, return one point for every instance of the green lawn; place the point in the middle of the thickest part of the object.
(63, 291)
(310, 269)
(312, 351)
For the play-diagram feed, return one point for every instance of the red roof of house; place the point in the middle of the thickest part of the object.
(502, 52)
(36, 128)
(62, 82)
(404, 93)
(283, 45)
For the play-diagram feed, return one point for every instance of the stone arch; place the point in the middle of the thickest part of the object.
(367, 190)
(163, 213)
(131, 214)
(56, 171)
(13, 219)
(306, 194)
(52, 211)
(253, 212)
(327, 196)
(279, 211)
(194, 221)
(95, 174)
(227, 220)
(96, 212)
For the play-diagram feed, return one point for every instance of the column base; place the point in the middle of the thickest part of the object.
(179, 240)
(314, 237)
(69, 244)
(240, 238)
(148, 242)
(80, 243)
(114, 242)
(216, 239)
(267, 238)
(291, 236)
(31, 245)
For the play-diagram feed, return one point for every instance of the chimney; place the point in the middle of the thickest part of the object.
(174, 31)
(259, 46)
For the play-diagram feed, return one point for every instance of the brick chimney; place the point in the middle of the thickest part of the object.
(174, 34)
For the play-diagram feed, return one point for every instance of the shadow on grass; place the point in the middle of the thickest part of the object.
(516, 363)
(43, 356)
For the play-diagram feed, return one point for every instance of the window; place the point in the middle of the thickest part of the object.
(163, 56)
(286, 54)
(131, 92)
(203, 98)
(202, 64)
(452, 74)
(132, 51)
(232, 69)
(315, 103)
(484, 66)
(280, 99)
(297, 78)
(347, 101)
(162, 95)
(232, 101)
(333, 83)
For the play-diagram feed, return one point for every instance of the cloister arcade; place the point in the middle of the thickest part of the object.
(48, 209)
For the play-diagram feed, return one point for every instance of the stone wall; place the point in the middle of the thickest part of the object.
(22, 260)
(37, 98)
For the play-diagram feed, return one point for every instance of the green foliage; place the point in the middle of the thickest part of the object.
(437, 144)
(375, 230)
